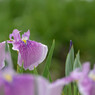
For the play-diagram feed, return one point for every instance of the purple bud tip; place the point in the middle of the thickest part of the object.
(71, 44)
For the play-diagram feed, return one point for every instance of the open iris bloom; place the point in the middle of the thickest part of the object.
(30, 53)
(85, 79)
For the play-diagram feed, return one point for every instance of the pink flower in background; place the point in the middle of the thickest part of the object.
(30, 53)
(85, 79)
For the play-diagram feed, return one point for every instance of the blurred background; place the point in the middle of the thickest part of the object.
(62, 20)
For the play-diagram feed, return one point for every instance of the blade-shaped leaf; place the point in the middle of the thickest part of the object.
(77, 63)
(50, 77)
(69, 62)
(75, 89)
(48, 61)
(65, 91)
(35, 71)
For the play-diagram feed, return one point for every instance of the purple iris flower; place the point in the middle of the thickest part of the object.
(26, 84)
(5, 56)
(30, 53)
(85, 79)
(2, 55)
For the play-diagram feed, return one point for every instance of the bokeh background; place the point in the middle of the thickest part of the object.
(62, 20)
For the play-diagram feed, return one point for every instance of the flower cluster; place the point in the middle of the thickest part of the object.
(30, 55)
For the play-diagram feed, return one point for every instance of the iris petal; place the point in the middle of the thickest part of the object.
(26, 35)
(15, 35)
(2, 55)
(31, 54)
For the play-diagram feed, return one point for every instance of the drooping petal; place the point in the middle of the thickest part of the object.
(42, 86)
(2, 55)
(26, 35)
(55, 88)
(15, 35)
(31, 54)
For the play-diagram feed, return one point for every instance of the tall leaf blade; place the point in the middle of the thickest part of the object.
(50, 77)
(77, 63)
(69, 62)
(35, 72)
(48, 61)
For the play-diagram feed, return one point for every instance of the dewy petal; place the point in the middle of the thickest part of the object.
(2, 55)
(31, 54)
(26, 35)
(15, 35)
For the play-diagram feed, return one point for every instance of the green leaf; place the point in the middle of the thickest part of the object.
(65, 91)
(50, 77)
(77, 63)
(48, 61)
(70, 89)
(6, 47)
(69, 62)
(19, 69)
(35, 71)
(75, 89)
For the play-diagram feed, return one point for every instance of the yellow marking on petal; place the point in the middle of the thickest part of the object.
(8, 77)
(24, 41)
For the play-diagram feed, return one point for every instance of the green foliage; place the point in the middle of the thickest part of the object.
(52, 19)
(35, 71)
(75, 89)
(19, 69)
(72, 64)
(69, 62)
(48, 61)
(77, 63)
